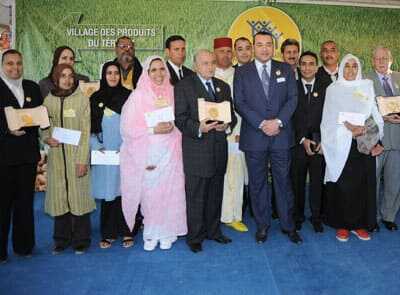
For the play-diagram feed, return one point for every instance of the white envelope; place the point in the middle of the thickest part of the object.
(104, 158)
(161, 115)
(67, 136)
(352, 118)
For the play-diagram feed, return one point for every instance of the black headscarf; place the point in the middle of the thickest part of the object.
(110, 97)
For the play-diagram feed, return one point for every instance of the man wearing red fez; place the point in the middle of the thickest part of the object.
(236, 173)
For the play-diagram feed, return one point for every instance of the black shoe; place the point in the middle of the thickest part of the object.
(80, 250)
(390, 225)
(261, 235)
(298, 225)
(3, 260)
(223, 240)
(57, 250)
(294, 237)
(374, 229)
(317, 225)
(195, 247)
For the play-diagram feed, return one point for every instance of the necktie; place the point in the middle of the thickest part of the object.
(309, 86)
(265, 81)
(180, 74)
(210, 90)
(386, 86)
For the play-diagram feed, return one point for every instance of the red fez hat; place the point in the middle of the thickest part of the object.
(222, 42)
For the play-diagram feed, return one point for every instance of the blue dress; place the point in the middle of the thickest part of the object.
(106, 178)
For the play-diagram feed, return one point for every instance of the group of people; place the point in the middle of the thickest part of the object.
(185, 177)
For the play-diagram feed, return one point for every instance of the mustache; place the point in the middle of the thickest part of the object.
(125, 58)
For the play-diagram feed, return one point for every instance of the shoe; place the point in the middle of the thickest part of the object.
(57, 250)
(80, 250)
(298, 225)
(127, 242)
(238, 226)
(317, 225)
(3, 260)
(261, 235)
(342, 235)
(374, 229)
(390, 225)
(223, 240)
(195, 247)
(105, 243)
(294, 237)
(150, 245)
(362, 234)
(166, 244)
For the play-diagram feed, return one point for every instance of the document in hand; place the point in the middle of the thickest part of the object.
(353, 118)
(18, 118)
(388, 105)
(104, 158)
(67, 136)
(88, 88)
(160, 115)
(214, 111)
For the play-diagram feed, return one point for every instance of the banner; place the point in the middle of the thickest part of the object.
(91, 28)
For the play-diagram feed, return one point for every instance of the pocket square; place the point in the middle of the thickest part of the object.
(280, 80)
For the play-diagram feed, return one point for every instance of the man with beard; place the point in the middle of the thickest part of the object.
(329, 53)
(290, 50)
(131, 69)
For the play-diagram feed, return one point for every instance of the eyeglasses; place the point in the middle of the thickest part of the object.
(125, 46)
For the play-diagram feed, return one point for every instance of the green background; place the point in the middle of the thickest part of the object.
(41, 27)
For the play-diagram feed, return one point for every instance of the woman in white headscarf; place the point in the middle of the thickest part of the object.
(351, 128)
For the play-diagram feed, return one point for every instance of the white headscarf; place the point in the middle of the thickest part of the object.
(15, 85)
(356, 96)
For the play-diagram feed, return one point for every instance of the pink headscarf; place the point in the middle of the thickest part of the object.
(136, 141)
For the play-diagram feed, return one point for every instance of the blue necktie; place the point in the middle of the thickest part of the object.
(210, 90)
(386, 86)
(265, 81)
(309, 86)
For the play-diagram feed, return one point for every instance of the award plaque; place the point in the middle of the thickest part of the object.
(214, 111)
(88, 88)
(19, 118)
(388, 105)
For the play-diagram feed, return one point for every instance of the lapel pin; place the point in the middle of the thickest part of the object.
(101, 105)
(315, 94)
(278, 72)
(217, 89)
(28, 99)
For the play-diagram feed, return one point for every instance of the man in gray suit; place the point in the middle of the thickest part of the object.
(386, 83)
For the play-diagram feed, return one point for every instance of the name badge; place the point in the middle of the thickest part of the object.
(161, 102)
(69, 113)
(108, 112)
(281, 80)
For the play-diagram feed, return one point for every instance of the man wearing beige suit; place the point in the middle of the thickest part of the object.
(387, 83)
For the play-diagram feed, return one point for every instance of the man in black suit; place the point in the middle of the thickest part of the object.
(130, 67)
(306, 152)
(290, 50)
(19, 152)
(175, 50)
(205, 150)
(329, 53)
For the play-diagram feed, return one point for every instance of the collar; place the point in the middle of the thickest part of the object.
(260, 65)
(175, 67)
(331, 73)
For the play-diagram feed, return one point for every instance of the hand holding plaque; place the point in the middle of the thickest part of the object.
(19, 118)
(388, 105)
(214, 111)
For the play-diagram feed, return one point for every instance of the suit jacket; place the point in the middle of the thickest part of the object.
(137, 70)
(174, 78)
(391, 132)
(324, 77)
(15, 150)
(308, 115)
(253, 106)
(207, 155)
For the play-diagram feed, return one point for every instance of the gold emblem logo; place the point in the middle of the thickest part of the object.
(213, 112)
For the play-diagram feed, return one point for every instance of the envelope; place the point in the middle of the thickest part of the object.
(158, 116)
(18, 118)
(68, 136)
(215, 111)
(353, 118)
(104, 158)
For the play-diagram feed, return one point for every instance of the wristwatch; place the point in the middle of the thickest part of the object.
(280, 123)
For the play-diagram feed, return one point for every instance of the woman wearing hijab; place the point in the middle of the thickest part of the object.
(151, 161)
(105, 109)
(62, 55)
(350, 151)
(67, 197)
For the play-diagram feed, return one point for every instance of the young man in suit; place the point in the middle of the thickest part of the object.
(19, 152)
(329, 53)
(387, 83)
(205, 150)
(175, 50)
(243, 51)
(266, 98)
(306, 152)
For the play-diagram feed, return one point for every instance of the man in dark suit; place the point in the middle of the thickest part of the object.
(290, 50)
(243, 51)
(19, 152)
(175, 50)
(205, 150)
(131, 69)
(328, 72)
(266, 98)
(306, 152)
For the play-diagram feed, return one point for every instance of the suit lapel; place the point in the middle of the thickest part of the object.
(11, 100)
(201, 90)
(217, 90)
(272, 79)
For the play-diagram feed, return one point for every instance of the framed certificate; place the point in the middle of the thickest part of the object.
(19, 118)
(388, 104)
(214, 111)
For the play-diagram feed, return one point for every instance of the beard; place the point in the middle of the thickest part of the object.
(125, 58)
